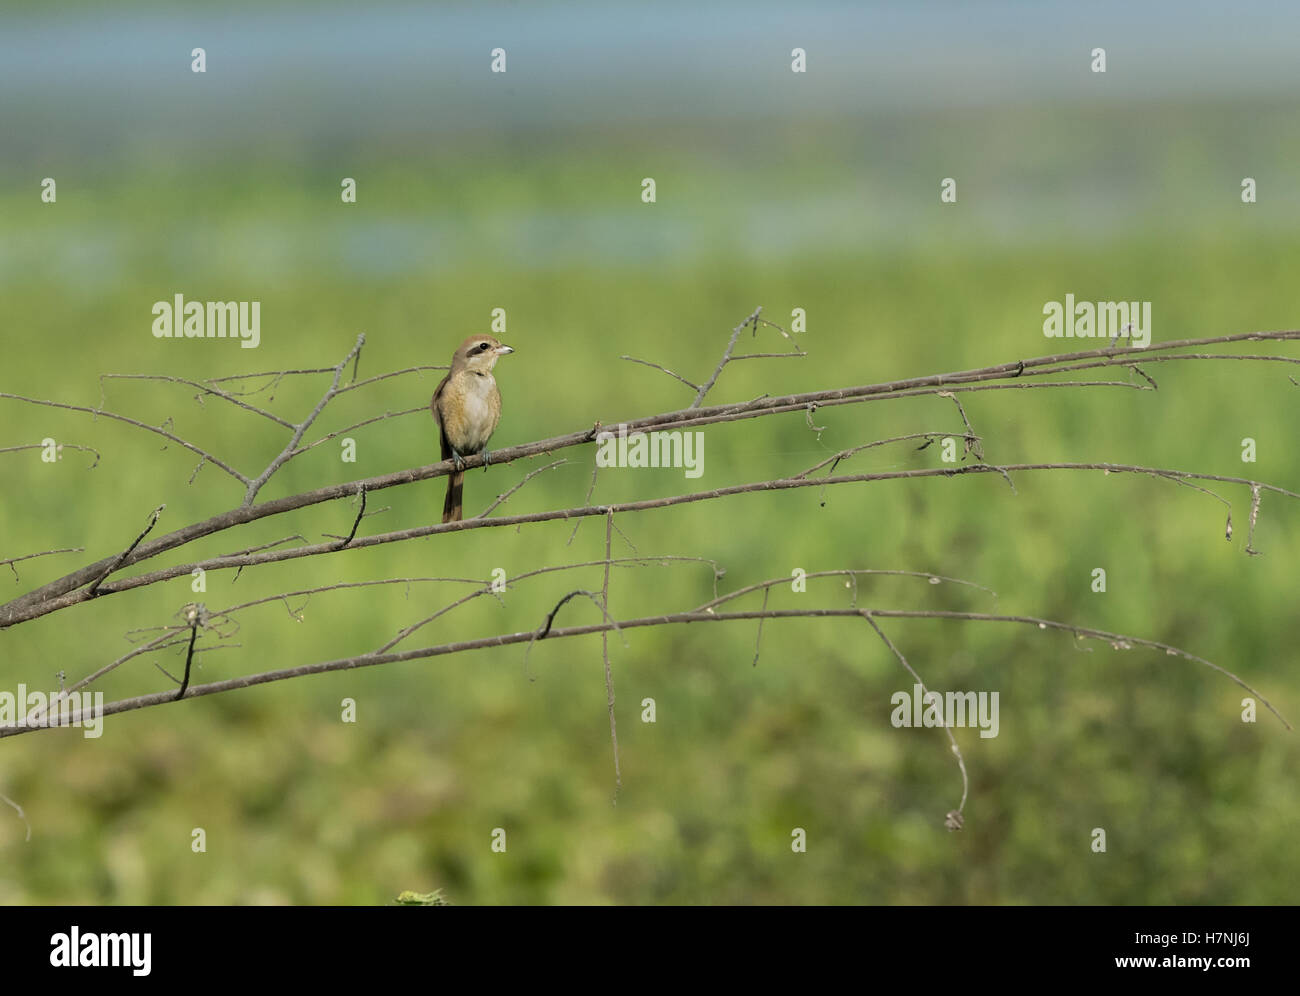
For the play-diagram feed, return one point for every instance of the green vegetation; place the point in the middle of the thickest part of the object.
(299, 807)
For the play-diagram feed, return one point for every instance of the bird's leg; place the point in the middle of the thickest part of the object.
(457, 460)
(486, 455)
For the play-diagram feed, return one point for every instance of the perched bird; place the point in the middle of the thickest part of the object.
(466, 408)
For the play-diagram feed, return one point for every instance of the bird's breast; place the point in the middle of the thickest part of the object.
(474, 408)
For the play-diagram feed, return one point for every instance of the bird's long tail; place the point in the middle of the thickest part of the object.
(451, 510)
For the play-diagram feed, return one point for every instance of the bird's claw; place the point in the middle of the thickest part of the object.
(458, 461)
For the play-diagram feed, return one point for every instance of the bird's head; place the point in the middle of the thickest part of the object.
(479, 353)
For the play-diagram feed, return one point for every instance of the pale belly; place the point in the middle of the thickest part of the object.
(480, 421)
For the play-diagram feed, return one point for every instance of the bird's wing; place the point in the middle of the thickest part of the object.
(435, 407)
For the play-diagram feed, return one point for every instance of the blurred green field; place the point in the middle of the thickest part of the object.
(299, 807)
(302, 808)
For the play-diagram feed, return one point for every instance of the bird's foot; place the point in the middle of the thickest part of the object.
(457, 461)
(486, 457)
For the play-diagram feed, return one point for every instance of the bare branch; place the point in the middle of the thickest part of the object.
(356, 425)
(30, 607)
(835, 458)
(850, 573)
(707, 386)
(275, 375)
(203, 388)
(670, 373)
(486, 586)
(1144, 375)
(727, 357)
(61, 446)
(797, 354)
(157, 430)
(503, 498)
(57, 593)
(158, 643)
(257, 483)
(1116, 640)
(356, 384)
(267, 546)
(973, 444)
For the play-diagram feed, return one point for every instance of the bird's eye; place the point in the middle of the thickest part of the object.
(483, 347)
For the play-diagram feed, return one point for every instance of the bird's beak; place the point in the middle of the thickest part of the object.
(502, 350)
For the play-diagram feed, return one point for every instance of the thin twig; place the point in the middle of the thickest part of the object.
(189, 655)
(486, 588)
(1254, 517)
(10, 561)
(161, 642)
(604, 653)
(595, 467)
(707, 386)
(276, 375)
(835, 458)
(61, 446)
(850, 573)
(267, 546)
(21, 815)
(688, 383)
(758, 638)
(953, 820)
(257, 483)
(356, 384)
(204, 388)
(356, 425)
(157, 430)
(973, 444)
(153, 521)
(357, 521)
(769, 356)
(503, 498)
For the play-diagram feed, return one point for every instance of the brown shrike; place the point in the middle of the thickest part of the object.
(466, 408)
